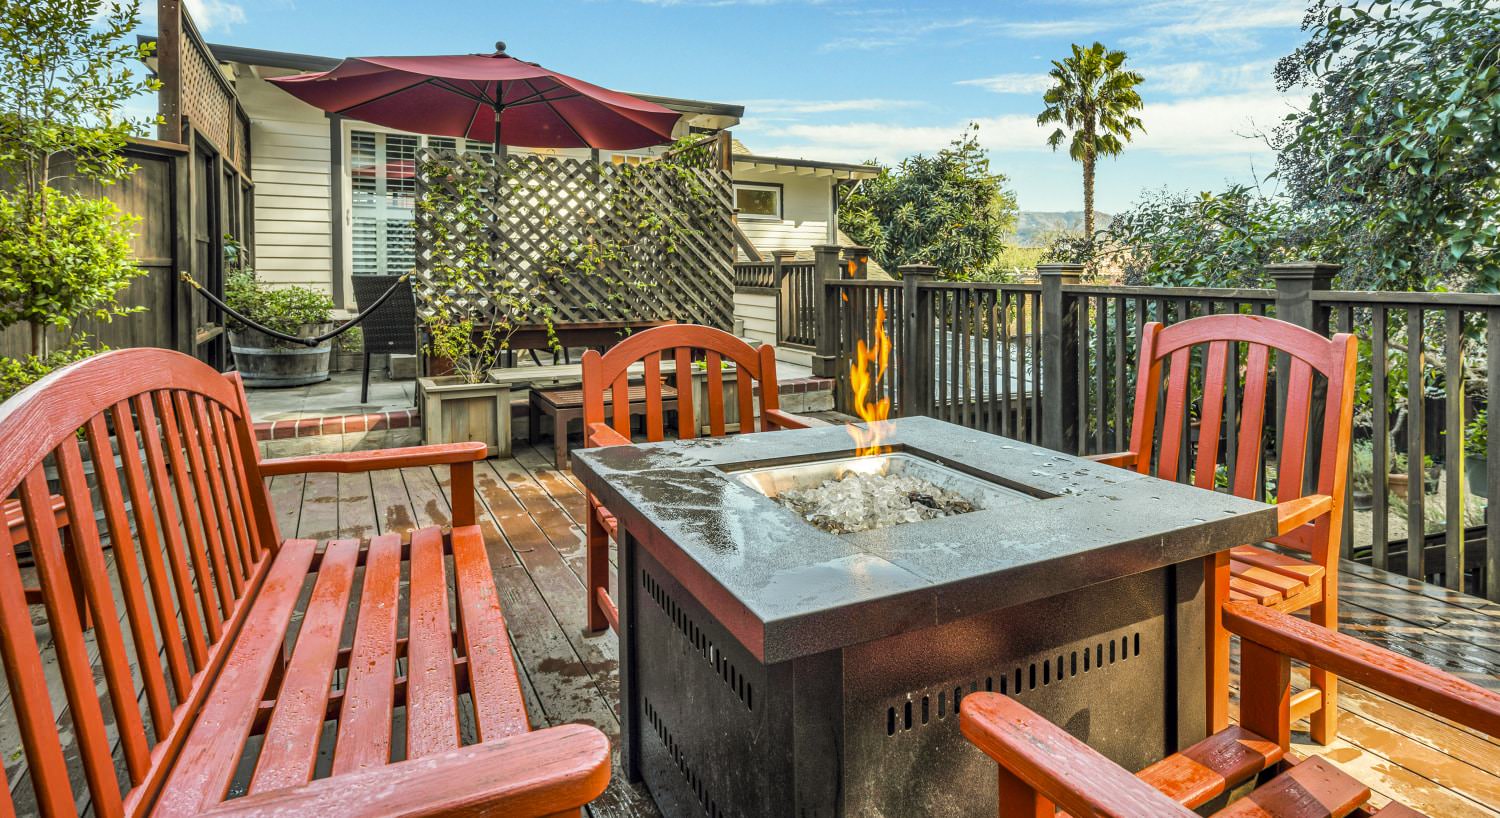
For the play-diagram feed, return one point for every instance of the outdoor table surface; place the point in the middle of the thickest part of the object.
(786, 589)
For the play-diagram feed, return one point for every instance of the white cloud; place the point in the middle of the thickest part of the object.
(213, 15)
(825, 106)
(1203, 128)
(1198, 78)
(1011, 83)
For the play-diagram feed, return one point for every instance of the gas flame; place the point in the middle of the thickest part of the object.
(865, 374)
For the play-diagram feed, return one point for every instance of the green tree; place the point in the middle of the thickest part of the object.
(947, 209)
(1398, 152)
(66, 70)
(1093, 96)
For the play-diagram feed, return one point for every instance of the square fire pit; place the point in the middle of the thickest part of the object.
(769, 667)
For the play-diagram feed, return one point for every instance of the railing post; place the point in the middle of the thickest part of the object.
(826, 269)
(779, 258)
(857, 262)
(916, 353)
(1059, 357)
(1295, 283)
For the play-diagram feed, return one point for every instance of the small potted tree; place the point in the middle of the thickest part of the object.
(264, 360)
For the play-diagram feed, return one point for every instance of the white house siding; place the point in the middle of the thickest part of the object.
(805, 205)
(289, 161)
(758, 312)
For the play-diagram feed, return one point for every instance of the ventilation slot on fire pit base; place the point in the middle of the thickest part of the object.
(705, 799)
(725, 669)
(916, 712)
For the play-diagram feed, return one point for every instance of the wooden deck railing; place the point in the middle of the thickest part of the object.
(1054, 364)
(795, 284)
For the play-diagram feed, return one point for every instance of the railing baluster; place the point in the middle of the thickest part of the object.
(1453, 366)
(1380, 539)
(1416, 527)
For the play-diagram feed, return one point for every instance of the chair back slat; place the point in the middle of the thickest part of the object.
(687, 423)
(1211, 415)
(64, 617)
(151, 555)
(651, 380)
(745, 391)
(1296, 360)
(714, 366)
(93, 576)
(1252, 422)
(132, 479)
(193, 614)
(213, 599)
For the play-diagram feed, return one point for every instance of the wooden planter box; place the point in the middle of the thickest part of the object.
(454, 411)
(731, 399)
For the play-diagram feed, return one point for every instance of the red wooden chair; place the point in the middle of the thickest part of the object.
(1311, 524)
(1041, 765)
(682, 344)
(193, 597)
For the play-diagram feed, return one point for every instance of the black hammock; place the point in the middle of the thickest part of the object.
(294, 339)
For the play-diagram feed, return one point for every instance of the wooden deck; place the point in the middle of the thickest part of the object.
(532, 515)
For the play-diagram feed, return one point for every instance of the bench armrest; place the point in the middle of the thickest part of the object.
(1057, 766)
(603, 434)
(1124, 460)
(787, 420)
(354, 462)
(1390, 673)
(547, 772)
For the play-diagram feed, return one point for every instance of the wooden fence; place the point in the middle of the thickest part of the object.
(1054, 363)
(574, 226)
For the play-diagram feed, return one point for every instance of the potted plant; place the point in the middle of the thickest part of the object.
(263, 360)
(1362, 475)
(1476, 454)
(348, 350)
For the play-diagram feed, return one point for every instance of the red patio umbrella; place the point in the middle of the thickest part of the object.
(495, 98)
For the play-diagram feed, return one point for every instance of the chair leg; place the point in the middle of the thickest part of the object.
(364, 386)
(596, 567)
(1019, 800)
(560, 426)
(1216, 642)
(1323, 723)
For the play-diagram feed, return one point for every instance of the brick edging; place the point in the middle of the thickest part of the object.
(334, 424)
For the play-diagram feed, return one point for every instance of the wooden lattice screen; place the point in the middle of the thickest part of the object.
(548, 219)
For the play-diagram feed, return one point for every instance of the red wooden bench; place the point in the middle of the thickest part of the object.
(608, 375)
(200, 690)
(1304, 574)
(1042, 766)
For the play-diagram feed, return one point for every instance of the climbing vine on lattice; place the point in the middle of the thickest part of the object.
(592, 241)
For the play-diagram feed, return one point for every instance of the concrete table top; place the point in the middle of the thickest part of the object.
(787, 589)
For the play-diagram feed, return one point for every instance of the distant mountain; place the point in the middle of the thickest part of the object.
(1035, 228)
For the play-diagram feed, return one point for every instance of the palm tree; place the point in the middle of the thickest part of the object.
(1093, 96)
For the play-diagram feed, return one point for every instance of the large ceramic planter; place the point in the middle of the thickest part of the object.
(454, 411)
(264, 361)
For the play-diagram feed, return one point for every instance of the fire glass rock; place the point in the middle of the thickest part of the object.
(860, 502)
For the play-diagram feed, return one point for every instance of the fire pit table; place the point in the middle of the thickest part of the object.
(769, 667)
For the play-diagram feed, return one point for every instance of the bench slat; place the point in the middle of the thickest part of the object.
(494, 684)
(207, 758)
(715, 392)
(364, 738)
(191, 524)
(237, 544)
(208, 508)
(290, 747)
(431, 692)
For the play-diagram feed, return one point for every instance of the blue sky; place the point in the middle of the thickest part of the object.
(859, 79)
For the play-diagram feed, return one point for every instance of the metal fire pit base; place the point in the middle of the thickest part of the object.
(872, 729)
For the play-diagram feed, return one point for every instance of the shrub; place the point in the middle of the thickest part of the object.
(284, 309)
(18, 373)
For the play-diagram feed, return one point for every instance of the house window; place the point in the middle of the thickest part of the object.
(382, 197)
(758, 201)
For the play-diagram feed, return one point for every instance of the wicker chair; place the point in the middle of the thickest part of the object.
(392, 329)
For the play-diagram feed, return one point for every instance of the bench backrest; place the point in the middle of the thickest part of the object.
(700, 350)
(1224, 365)
(150, 454)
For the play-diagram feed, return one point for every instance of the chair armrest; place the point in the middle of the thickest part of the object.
(15, 518)
(787, 420)
(546, 772)
(354, 462)
(1124, 460)
(1390, 673)
(1293, 514)
(603, 434)
(1064, 770)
